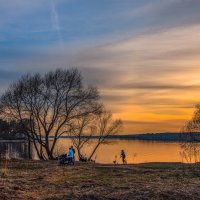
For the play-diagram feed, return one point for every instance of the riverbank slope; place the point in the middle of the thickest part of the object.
(47, 180)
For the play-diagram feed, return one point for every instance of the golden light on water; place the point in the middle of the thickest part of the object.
(136, 151)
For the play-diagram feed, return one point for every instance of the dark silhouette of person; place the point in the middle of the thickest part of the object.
(123, 156)
(73, 152)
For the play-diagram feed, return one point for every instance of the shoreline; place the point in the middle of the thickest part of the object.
(123, 139)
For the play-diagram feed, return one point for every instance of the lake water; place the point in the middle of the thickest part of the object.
(14, 149)
(137, 151)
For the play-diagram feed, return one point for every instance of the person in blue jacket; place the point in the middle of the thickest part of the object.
(70, 156)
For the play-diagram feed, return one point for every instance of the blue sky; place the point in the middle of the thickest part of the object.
(143, 55)
(32, 24)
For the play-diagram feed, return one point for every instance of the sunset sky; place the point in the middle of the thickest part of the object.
(143, 55)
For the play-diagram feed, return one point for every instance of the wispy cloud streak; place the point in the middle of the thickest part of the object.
(143, 55)
(56, 23)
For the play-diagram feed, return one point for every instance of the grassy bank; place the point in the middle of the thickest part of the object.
(47, 180)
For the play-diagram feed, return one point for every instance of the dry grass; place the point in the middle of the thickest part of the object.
(47, 180)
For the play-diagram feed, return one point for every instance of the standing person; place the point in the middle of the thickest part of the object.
(70, 156)
(73, 152)
(123, 156)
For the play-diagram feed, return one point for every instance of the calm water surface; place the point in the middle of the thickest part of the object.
(137, 151)
(14, 149)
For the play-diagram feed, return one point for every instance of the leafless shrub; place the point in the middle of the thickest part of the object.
(95, 129)
(190, 137)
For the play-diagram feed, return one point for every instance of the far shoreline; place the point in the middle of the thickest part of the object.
(151, 137)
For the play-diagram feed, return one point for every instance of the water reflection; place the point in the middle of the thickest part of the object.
(16, 149)
(137, 151)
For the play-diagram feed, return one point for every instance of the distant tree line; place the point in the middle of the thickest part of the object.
(56, 104)
(168, 137)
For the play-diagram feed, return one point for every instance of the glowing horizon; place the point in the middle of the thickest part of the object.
(142, 55)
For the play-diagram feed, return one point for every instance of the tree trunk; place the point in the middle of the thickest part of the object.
(50, 155)
(51, 150)
(29, 149)
(38, 151)
(93, 152)
(79, 154)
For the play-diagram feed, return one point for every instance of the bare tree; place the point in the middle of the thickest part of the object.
(94, 130)
(50, 104)
(82, 132)
(191, 137)
(105, 126)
